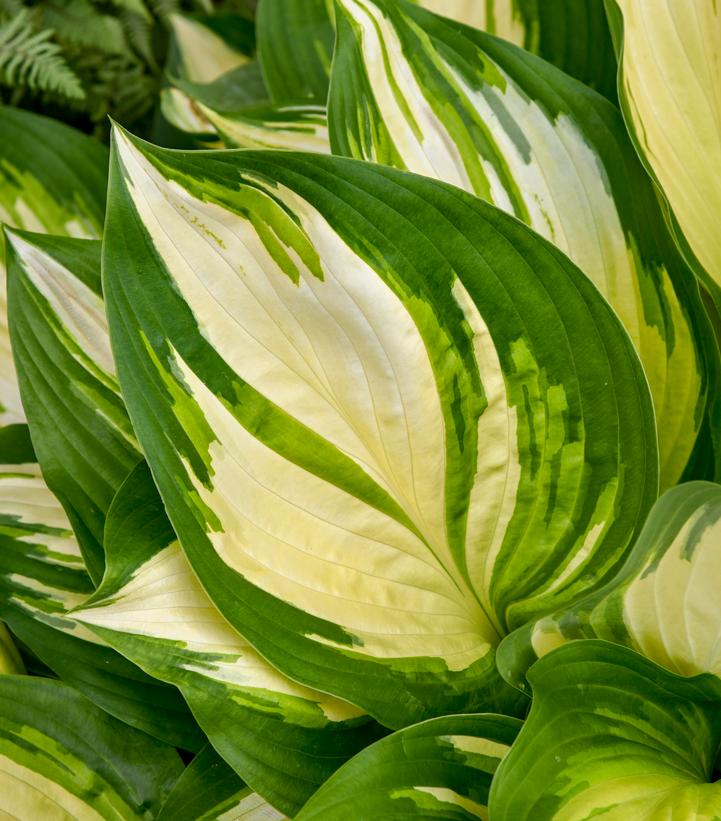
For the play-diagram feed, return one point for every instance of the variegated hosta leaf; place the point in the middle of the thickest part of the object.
(63, 758)
(209, 790)
(375, 454)
(669, 86)
(52, 179)
(42, 577)
(67, 379)
(414, 91)
(153, 610)
(571, 34)
(664, 602)
(613, 737)
(205, 51)
(235, 90)
(295, 127)
(10, 661)
(295, 47)
(441, 768)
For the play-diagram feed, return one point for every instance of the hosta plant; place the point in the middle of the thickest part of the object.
(359, 457)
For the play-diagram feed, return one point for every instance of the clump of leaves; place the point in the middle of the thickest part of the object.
(373, 467)
(87, 60)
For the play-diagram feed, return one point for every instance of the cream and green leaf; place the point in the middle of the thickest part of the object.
(441, 768)
(290, 127)
(614, 737)
(571, 34)
(376, 458)
(67, 379)
(153, 610)
(63, 758)
(417, 92)
(663, 602)
(67, 375)
(209, 790)
(52, 179)
(42, 578)
(209, 53)
(670, 92)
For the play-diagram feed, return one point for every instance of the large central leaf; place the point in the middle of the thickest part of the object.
(415, 91)
(375, 454)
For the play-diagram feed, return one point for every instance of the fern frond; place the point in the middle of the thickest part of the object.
(140, 36)
(29, 59)
(134, 7)
(79, 23)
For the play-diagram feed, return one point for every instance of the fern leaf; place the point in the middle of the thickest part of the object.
(79, 23)
(29, 59)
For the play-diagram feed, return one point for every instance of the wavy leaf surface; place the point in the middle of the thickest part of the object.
(663, 602)
(374, 455)
(612, 736)
(441, 768)
(416, 92)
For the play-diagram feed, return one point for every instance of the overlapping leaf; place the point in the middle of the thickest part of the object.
(295, 47)
(61, 757)
(42, 577)
(663, 603)
(612, 736)
(669, 86)
(417, 92)
(209, 790)
(295, 128)
(153, 610)
(209, 55)
(375, 457)
(63, 350)
(67, 379)
(441, 768)
(571, 34)
(52, 179)
(10, 661)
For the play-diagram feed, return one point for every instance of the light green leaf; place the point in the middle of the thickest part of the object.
(663, 602)
(611, 736)
(669, 81)
(204, 49)
(153, 610)
(294, 128)
(453, 103)
(375, 455)
(209, 790)
(571, 34)
(442, 768)
(52, 179)
(67, 379)
(42, 577)
(61, 757)
(10, 661)
(295, 48)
